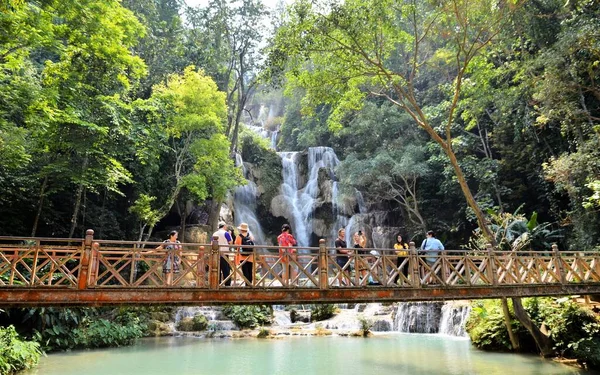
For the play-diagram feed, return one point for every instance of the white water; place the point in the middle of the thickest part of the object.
(244, 203)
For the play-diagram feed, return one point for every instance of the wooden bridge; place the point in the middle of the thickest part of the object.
(47, 271)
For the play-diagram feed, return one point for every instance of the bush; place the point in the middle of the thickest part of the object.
(322, 312)
(16, 354)
(103, 333)
(574, 330)
(263, 333)
(365, 326)
(249, 316)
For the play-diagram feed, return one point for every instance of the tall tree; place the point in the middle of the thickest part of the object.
(189, 112)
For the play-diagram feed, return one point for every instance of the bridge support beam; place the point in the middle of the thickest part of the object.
(23, 297)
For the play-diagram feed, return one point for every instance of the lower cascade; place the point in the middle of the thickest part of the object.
(445, 318)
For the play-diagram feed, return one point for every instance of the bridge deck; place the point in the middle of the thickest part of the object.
(44, 271)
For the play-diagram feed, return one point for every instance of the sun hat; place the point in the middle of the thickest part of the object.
(243, 227)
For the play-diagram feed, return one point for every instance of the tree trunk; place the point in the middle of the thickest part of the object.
(40, 205)
(543, 342)
(514, 341)
(215, 213)
(78, 199)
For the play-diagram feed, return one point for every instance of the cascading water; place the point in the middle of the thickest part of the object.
(244, 202)
(431, 317)
(274, 140)
(299, 201)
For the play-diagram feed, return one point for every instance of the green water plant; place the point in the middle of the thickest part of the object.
(16, 354)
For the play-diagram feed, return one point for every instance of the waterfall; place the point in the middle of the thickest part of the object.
(431, 317)
(454, 319)
(299, 201)
(274, 140)
(244, 203)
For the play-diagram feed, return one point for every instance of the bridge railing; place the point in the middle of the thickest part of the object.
(102, 264)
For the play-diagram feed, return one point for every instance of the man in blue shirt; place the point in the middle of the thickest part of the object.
(432, 246)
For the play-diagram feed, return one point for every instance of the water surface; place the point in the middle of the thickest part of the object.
(382, 354)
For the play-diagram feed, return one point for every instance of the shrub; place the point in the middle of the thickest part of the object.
(486, 327)
(322, 312)
(16, 354)
(103, 333)
(249, 316)
(365, 326)
(263, 333)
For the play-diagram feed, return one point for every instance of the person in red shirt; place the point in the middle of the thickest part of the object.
(285, 254)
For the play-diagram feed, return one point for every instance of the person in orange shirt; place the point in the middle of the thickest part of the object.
(245, 255)
(286, 239)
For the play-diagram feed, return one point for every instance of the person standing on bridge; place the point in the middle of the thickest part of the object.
(172, 260)
(341, 258)
(286, 239)
(432, 248)
(224, 240)
(245, 255)
(401, 248)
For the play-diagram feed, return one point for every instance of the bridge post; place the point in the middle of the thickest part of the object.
(200, 269)
(414, 265)
(94, 262)
(492, 274)
(559, 263)
(323, 271)
(85, 259)
(213, 280)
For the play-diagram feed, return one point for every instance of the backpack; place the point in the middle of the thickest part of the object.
(246, 241)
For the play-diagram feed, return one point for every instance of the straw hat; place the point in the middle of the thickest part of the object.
(243, 227)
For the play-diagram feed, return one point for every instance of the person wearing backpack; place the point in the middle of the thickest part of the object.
(245, 255)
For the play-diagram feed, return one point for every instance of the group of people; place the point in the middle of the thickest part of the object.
(366, 263)
(238, 250)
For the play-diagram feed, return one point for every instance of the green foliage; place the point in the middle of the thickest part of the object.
(513, 231)
(322, 312)
(573, 329)
(249, 316)
(263, 333)
(15, 354)
(70, 328)
(104, 333)
(365, 326)
(486, 327)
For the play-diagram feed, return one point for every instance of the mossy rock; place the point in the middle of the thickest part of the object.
(161, 316)
(186, 325)
(158, 328)
(199, 323)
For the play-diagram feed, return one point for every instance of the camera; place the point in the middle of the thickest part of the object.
(360, 232)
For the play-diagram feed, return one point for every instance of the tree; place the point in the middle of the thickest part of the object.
(189, 112)
(343, 52)
(232, 32)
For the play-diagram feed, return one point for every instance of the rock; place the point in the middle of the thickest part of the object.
(280, 207)
(320, 228)
(381, 326)
(226, 214)
(160, 316)
(158, 328)
(198, 234)
(186, 325)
